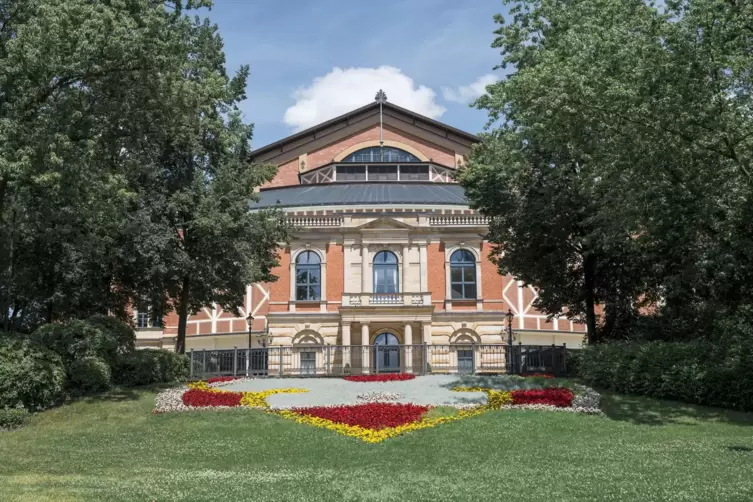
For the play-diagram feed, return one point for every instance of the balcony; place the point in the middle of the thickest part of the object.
(386, 299)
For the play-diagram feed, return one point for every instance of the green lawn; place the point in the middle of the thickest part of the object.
(113, 449)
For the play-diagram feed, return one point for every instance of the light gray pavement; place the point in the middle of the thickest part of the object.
(425, 390)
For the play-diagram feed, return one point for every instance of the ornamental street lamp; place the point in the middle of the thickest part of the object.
(510, 316)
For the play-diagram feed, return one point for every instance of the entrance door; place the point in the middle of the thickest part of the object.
(386, 353)
(465, 361)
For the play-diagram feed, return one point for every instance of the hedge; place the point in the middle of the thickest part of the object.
(148, 366)
(700, 371)
(13, 418)
(89, 375)
(30, 376)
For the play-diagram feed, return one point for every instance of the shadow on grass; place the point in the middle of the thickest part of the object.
(121, 394)
(647, 411)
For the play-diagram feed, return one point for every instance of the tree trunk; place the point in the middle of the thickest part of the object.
(185, 295)
(589, 270)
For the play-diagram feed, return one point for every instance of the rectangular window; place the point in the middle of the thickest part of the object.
(142, 319)
(351, 173)
(382, 173)
(414, 173)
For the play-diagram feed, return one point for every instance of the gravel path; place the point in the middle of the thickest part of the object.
(425, 390)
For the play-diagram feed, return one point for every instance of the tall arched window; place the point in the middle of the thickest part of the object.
(385, 272)
(463, 275)
(308, 275)
(381, 154)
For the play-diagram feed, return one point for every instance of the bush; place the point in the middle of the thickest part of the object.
(30, 376)
(700, 371)
(77, 340)
(123, 336)
(144, 367)
(13, 418)
(89, 375)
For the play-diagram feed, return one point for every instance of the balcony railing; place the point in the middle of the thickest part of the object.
(458, 220)
(315, 221)
(388, 299)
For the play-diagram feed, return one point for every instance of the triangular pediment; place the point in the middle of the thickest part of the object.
(385, 223)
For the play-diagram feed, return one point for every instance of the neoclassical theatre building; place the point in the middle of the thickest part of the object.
(386, 251)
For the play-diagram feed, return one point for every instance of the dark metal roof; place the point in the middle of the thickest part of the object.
(337, 194)
(346, 116)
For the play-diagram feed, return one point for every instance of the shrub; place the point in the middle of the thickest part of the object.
(13, 418)
(76, 340)
(30, 376)
(120, 332)
(699, 371)
(89, 375)
(144, 367)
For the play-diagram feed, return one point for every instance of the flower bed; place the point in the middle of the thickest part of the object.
(385, 377)
(555, 396)
(199, 395)
(375, 435)
(369, 416)
(220, 379)
(378, 396)
(538, 375)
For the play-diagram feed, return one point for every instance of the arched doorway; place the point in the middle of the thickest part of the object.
(386, 353)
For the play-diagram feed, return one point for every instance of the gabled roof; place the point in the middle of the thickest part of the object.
(394, 116)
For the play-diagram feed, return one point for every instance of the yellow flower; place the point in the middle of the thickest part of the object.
(496, 398)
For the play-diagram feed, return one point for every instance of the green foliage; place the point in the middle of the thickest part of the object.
(76, 340)
(120, 332)
(30, 376)
(89, 375)
(124, 171)
(618, 169)
(696, 372)
(144, 367)
(13, 418)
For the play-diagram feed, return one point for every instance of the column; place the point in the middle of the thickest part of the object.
(365, 361)
(404, 286)
(364, 267)
(408, 336)
(346, 346)
(422, 256)
(426, 328)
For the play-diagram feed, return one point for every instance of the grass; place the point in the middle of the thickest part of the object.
(113, 448)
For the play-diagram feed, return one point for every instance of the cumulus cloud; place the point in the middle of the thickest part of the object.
(468, 93)
(344, 89)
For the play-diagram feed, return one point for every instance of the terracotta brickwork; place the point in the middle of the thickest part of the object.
(436, 273)
(287, 175)
(335, 275)
(325, 155)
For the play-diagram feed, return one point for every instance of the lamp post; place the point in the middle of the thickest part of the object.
(510, 316)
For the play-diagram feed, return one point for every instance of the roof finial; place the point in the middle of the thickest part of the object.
(380, 97)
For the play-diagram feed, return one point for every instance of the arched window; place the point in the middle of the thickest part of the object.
(308, 275)
(381, 154)
(385, 272)
(463, 275)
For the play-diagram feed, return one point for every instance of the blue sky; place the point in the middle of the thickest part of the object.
(312, 60)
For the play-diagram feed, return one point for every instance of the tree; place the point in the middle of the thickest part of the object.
(644, 113)
(123, 170)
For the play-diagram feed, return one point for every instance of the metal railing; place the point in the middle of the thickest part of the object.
(341, 360)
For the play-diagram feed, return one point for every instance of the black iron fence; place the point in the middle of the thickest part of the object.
(341, 360)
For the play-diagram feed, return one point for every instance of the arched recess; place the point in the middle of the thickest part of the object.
(366, 144)
(465, 335)
(308, 337)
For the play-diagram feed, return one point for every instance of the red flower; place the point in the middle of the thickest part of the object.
(370, 416)
(384, 377)
(539, 375)
(201, 398)
(222, 379)
(556, 396)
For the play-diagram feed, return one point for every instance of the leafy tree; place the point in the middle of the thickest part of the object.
(641, 116)
(123, 170)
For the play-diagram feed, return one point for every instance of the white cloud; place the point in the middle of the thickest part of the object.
(343, 90)
(469, 93)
